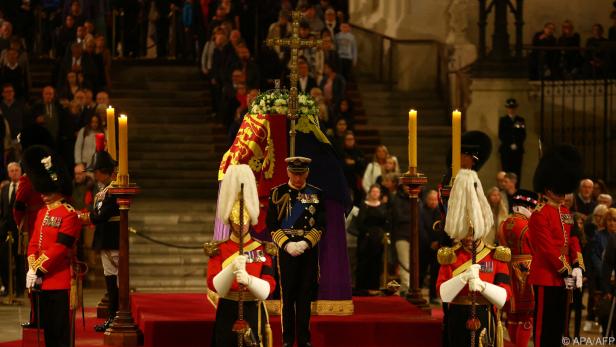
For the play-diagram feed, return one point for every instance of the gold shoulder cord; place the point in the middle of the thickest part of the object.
(285, 200)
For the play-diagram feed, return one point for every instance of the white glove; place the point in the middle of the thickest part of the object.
(239, 263)
(242, 277)
(302, 246)
(31, 279)
(569, 283)
(476, 285)
(493, 293)
(578, 277)
(514, 146)
(293, 249)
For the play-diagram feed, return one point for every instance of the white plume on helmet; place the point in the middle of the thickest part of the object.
(468, 207)
(230, 189)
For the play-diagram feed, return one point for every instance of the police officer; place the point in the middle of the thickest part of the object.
(513, 233)
(296, 221)
(558, 266)
(51, 248)
(105, 216)
(227, 269)
(460, 274)
(512, 133)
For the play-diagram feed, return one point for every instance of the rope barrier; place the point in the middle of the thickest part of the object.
(162, 243)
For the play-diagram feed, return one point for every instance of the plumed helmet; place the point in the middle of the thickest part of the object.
(228, 197)
(559, 170)
(46, 171)
(101, 159)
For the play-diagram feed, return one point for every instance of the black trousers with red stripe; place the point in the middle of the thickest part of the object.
(550, 315)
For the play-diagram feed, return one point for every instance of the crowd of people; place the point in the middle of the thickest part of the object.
(67, 114)
(237, 70)
(567, 57)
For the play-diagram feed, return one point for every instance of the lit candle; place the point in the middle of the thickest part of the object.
(123, 141)
(456, 142)
(111, 133)
(413, 138)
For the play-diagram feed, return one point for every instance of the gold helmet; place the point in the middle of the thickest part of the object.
(228, 210)
(234, 217)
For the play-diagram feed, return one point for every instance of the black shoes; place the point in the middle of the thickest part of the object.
(102, 327)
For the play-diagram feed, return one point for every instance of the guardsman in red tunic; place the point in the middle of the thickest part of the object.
(227, 269)
(513, 233)
(463, 281)
(557, 259)
(50, 251)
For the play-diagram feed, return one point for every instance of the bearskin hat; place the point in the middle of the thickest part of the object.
(559, 170)
(35, 135)
(46, 171)
(477, 144)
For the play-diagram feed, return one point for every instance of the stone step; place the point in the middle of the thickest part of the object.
(189, 284)
(161, 146)
(147, 249)
(176, 259)
(168, 271)
(179, 238)
(202, 227)
(162, 102)
(151, 166)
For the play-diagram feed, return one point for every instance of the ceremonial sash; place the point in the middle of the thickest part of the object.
(296, 212)
(482, 254)
(250, 247)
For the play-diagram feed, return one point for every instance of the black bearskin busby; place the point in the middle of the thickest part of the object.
(46, 171)
(476, 144)
(559, 170)
(35, 135)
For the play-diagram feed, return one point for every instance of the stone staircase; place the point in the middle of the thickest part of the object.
(387, 114)
(174, 151)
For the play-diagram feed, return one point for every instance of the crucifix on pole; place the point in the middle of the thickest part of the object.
(295, 43)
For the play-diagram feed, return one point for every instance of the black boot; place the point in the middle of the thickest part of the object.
(112, 291)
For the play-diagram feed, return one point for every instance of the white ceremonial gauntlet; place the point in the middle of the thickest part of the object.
(495, 294)
(223, 281)
(258, 287)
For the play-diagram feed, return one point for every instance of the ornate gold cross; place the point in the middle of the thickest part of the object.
(295, 43)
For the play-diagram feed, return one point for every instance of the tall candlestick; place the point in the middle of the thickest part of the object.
(413, 138)
(123, 141)
(111, 133)
(456, 142)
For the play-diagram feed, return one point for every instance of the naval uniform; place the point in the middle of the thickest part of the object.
(456, 260)
(50, 252)
(258, 264)
(106, 218)
(296, 215)
(555, 253)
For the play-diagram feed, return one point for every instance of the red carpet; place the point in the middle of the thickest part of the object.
(186, 320)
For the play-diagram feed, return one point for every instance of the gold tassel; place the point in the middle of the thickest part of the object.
(268, 329)
(499, 330)
(74, 294)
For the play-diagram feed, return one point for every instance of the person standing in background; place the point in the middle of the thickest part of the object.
(512, 134)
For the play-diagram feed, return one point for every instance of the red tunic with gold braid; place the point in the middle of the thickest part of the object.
(554, 251)
(513, 233)
(56, 229)
(492, 270)
(258, 264)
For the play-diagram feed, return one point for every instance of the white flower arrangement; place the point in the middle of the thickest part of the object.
(275, 102)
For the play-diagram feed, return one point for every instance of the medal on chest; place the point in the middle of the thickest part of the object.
(52, 221)
(487, 267)
(308, 198)
(256, 256)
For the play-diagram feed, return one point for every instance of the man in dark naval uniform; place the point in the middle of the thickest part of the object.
(296, 221)
(106, 218)
(512, 133)
(51, 248)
